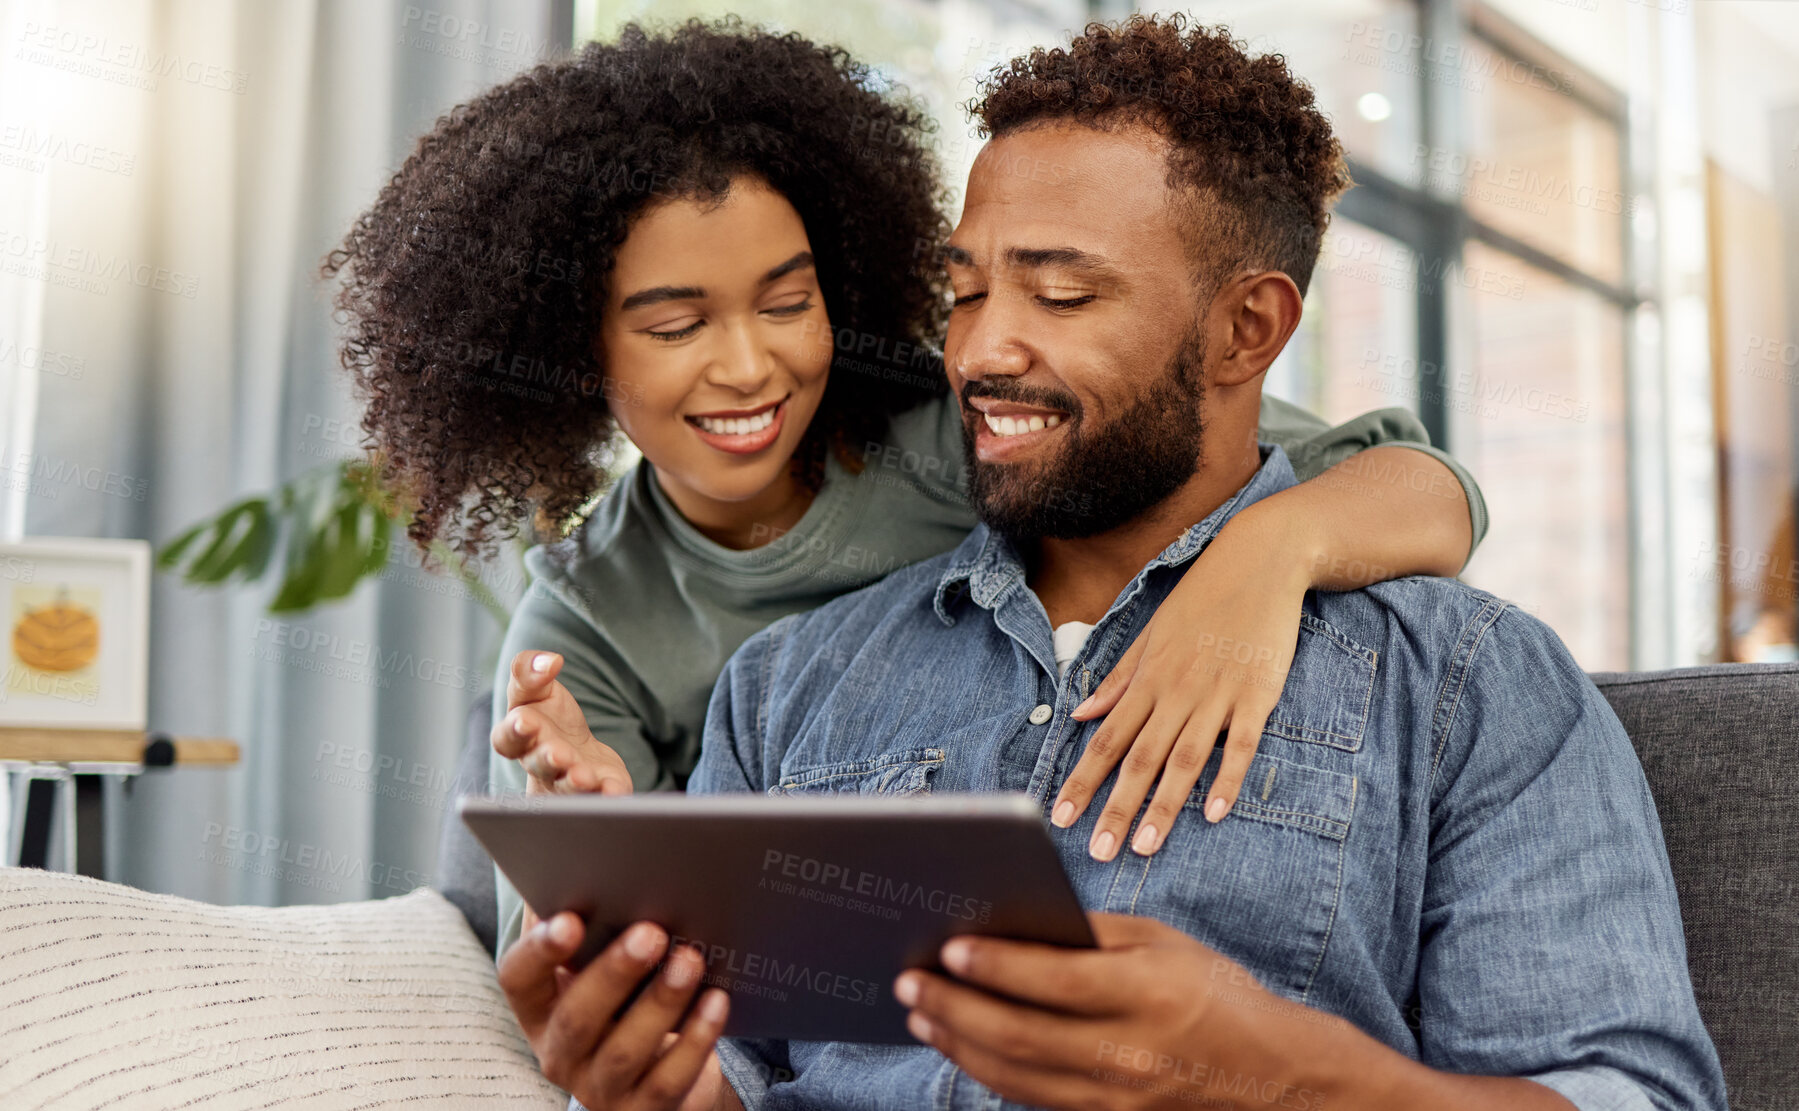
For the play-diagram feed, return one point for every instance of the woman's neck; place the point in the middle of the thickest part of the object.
(740, 525)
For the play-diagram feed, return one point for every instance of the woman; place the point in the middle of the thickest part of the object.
(722, 243)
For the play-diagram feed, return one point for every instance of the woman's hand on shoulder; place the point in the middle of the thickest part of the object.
(545, 731)
(1215, 656)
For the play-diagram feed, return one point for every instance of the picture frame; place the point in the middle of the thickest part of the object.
(74, 633)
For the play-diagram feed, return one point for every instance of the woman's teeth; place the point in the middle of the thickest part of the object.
(737, 426)
(1014, 426)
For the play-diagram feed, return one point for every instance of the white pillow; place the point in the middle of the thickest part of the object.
(115, 997)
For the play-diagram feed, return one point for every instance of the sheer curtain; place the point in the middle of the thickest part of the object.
(171, 173)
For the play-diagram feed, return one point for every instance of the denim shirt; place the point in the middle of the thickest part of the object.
(1445, 836)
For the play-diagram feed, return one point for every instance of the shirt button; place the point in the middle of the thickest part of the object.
(1041, 714)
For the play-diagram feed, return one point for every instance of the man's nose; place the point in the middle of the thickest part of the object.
(987, 342)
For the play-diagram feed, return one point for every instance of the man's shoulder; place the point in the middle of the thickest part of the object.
(1430, 610)
(1444, 630)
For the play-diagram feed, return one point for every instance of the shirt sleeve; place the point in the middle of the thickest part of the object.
(544, 622)
(1314, 447)
(1550, 933)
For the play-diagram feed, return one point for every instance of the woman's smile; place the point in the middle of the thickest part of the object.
(741, 431)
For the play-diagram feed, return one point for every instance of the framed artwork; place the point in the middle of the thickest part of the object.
(75, 647)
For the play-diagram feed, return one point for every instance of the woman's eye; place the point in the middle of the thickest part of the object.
(1065, 302)
(794, 309)
(968, 299)
(675, 333)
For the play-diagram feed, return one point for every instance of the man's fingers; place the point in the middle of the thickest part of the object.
(1239, 749)
(527, 971)
(1186, 762)
(1104, 749)
(1075, 981)
(1019, 1032)
(1028, 1055)
(1116, 682)
(686, 1055)
(632, 1046)
(585, 1010)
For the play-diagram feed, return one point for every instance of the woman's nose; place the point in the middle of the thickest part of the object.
(743, 363)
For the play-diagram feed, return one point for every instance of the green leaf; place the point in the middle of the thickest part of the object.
(260, 543)
(226, 554)
(345, 553)
(171, 553)
(380, 543)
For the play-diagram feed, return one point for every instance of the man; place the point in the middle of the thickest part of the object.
(1444, 884)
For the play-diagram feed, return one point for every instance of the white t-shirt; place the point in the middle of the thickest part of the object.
(1070, 638)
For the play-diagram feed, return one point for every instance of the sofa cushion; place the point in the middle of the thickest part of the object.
(1716, 744)
(118, 997)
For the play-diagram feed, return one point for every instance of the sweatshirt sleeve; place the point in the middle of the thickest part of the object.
(1314, 447)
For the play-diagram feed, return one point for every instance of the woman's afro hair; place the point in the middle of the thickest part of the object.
(472, 286)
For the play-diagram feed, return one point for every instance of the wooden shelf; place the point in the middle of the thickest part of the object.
(107, 746)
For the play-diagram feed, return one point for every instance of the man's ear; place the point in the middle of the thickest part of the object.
(1261, 311)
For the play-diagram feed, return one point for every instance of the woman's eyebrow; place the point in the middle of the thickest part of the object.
(661, 293)
(797, 262)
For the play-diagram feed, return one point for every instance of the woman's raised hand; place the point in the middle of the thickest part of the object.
(545, 731)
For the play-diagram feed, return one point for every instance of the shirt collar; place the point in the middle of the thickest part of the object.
(986, 563)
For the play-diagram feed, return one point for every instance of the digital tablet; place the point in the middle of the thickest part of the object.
(806, 907)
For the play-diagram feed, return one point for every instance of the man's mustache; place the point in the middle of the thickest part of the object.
(1007, 390)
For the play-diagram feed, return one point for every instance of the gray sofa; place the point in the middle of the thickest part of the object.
(1718, 746)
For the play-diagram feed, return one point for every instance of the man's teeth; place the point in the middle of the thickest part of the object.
(1013, 426)
(737, 426)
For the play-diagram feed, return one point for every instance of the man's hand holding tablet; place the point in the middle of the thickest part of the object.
(645, 1057)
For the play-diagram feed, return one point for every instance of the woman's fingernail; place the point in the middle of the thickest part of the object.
(540, 662)
(564, 930)
(1215, 810)
(1063, 815)
(1103, 846)
(1146, 840)
(1086, 702)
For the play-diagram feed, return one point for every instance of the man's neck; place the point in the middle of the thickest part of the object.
(1078, 580)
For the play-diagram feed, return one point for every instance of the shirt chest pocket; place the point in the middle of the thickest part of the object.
(902, 772)
(1263, 885)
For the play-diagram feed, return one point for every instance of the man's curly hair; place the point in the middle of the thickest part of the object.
(1249, 148)
(473, 286)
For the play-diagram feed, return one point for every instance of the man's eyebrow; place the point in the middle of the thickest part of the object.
(1066, 258)
(1037, 258)
(661, 293)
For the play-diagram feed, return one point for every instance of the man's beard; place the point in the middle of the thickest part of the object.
(1102, 477)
